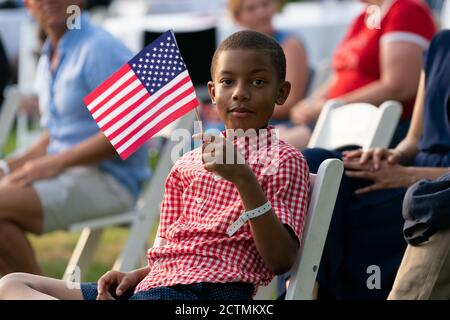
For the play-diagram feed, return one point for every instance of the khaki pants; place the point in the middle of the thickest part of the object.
(424, 273)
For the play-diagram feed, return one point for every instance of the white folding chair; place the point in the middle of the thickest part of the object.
(360, 124)
(324, 190)
(141, 219)
(325, 187)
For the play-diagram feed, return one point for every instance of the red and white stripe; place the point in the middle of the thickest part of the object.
(129, 115)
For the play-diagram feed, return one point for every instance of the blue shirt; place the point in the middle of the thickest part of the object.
(87, 57)
(434, 145)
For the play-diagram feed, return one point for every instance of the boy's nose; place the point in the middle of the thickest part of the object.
(240, 93)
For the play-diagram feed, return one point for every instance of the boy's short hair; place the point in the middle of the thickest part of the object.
(253, 40)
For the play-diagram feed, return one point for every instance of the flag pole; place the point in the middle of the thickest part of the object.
(197, 115)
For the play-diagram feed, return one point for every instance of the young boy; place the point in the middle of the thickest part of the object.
(206, 251)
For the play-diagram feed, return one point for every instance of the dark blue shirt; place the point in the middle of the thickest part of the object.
(434, 145)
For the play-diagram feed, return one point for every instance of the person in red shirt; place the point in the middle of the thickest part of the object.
(379, 59)
(204, 250)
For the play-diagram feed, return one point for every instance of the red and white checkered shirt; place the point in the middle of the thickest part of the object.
(198, 207)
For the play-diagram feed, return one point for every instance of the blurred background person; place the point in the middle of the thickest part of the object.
(379, 59)
(71, 173)
(258, 15)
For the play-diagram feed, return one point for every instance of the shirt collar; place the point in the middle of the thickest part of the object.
(69, 37)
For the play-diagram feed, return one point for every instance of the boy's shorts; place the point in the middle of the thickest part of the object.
(195, 291)
(79, 194)
(424, 273)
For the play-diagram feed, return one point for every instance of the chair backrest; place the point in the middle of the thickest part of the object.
(321, 73)
(325, 187)
(360, 124)
(8, 114)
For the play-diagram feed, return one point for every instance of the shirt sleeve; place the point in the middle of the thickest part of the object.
(288, 192)
(409, 21)
(103, 57)
(172, 203)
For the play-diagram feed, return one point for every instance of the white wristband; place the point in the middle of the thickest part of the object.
(247, 216)
(4, 167)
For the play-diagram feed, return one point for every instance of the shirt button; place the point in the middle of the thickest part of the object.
(199, 200)
(217, 178)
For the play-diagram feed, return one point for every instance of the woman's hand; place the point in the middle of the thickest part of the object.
(376, 155)
(221, 157)
(306, 111)
(114, 284)
(387, 176)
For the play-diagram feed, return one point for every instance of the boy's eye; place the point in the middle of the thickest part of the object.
(226, 82)
(258, 82)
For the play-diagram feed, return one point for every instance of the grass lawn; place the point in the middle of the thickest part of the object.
(53, 250)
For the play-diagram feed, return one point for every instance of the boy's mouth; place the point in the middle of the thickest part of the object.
(240, 112)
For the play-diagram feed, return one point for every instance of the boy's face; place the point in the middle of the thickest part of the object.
(246, 88)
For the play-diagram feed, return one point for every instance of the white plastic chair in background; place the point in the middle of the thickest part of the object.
(325, 187)
(360, 124)
(141, 219)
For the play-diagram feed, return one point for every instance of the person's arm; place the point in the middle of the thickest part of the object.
(38, 149)
(400, 65)
(297, 73)
(308, 110)
(275, 243)
(90, 151)
(408, 148)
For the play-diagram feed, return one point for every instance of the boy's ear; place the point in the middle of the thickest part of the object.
(283, 93)
(212, 91)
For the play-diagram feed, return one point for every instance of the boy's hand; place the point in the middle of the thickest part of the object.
(221, 157)
(114, 284)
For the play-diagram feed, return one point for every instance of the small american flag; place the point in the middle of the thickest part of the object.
(146, 94)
